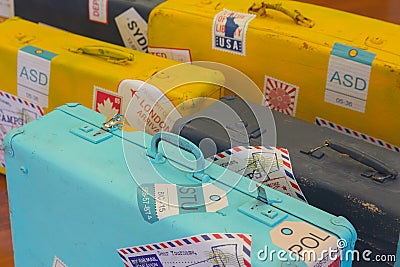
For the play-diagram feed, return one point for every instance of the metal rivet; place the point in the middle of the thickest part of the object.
(23, 169)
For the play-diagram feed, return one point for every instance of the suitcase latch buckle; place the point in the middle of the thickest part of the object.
(115, 122)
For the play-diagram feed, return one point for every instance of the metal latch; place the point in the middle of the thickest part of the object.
(89, 133)
(261, 209)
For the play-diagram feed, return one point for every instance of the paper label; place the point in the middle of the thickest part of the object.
(133, 30)
(181, 55)
(106, 102)
(229, 31)
(159, 201)
(280, 96)
(15, 112)
(267, 165)
(312, 245)
(58, 263)
(219, 249)
(33, 74)
(7, 8)
(98, 11)
(146, 108)
(348, 77)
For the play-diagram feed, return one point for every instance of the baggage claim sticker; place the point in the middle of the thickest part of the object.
(308, 243)
(229, 31)
(216, 249)
(159, 201)
(348, 77)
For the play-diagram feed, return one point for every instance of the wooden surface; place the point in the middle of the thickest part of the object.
(388, 10)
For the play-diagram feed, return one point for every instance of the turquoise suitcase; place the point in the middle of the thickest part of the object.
(84, 193)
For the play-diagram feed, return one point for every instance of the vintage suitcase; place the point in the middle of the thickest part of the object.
(84, 193)
(336, 183)
(121, 22)
(329, 65)
(43, 68)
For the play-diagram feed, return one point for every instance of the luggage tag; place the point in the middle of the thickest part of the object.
(267, 165)
(157, 201)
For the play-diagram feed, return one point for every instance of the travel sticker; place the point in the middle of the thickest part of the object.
(214, 249)
(15, 112)
(348, 77)
(159, 201)
(229, 31)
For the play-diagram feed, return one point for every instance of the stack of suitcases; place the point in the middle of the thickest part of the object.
(170, 133)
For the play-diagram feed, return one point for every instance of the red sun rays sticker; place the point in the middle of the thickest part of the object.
(280, 96)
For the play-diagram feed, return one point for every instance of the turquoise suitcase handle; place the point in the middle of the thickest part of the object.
(183, 143)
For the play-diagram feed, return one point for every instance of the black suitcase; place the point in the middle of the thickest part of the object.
(92, 18)
(364, 191)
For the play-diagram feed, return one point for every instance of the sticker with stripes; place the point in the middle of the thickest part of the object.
(215, 249)
(15, 112)
(267, 165)
(159, 201)
(280, 96)
(347, 131)
(58, 263)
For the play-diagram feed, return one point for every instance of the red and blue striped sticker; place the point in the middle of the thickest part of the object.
(342, 129)
(270, 166)
(214, 249)
(15, 112)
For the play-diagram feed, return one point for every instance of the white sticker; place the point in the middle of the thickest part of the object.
(15, 112)
(280, 96)
(267, 165)
(229, 31)
(58, 263)
(106, 102)
(348, 77)
(146, 108)
(33, 74)
(7, 8)
(98, 11)
(133, 30)
(159, 201)
(181, 55)
(312, 245)
(219, 249)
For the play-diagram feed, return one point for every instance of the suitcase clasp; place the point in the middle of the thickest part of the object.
(261, 209)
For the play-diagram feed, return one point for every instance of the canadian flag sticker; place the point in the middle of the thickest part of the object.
(106, 102)
(280, 96)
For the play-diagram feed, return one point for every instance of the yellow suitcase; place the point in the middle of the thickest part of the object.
(42, 68)
(325, 66)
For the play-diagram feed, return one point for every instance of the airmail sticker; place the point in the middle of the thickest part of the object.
(229, 31)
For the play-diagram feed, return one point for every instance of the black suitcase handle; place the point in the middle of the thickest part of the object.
(381, 170)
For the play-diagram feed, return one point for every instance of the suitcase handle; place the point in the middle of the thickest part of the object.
(111, 54)
(183, 143)
(379, 166)
(261, 10)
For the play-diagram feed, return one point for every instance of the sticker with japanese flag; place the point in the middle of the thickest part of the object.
(280, 96)
(214, 249)
(267, 165)
(146, 107)
(106, 102)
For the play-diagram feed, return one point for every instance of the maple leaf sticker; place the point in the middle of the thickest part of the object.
(106, 102)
